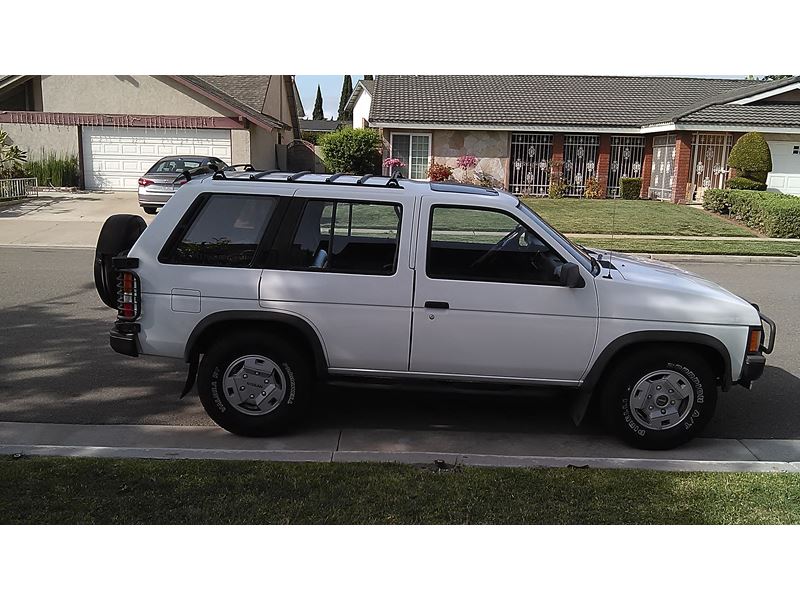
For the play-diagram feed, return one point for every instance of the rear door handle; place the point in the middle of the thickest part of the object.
(432, 304)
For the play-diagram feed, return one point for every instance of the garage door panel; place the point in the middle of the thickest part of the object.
(785, 175)
(115, 157)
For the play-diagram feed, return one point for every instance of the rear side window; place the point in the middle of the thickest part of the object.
(225, 232)
(346, 237)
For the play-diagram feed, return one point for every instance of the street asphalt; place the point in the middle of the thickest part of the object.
(56, 366)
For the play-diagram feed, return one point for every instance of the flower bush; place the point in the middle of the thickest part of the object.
(393, 165)
(466, 162)
(593, 189)
(439, 172)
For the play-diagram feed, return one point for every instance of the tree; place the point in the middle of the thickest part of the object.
(751, 157)
(355, 151)
(318, 114)
(11, 158)
(347, 89)
(369, 77)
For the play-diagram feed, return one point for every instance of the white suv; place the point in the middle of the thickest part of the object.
(265, 282)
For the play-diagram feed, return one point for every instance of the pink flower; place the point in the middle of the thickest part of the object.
(466, 162)
(393, 163)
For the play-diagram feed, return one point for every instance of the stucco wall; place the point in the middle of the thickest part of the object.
(361, 109)
(262, 148)
(489, 147)
(62, 139)
(240, 146)
(123, 94)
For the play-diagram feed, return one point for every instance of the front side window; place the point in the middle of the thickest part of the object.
(225, 231)
(414, 151)
(346, 237)
(487, 245)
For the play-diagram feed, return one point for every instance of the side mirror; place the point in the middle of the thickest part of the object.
(569, 275)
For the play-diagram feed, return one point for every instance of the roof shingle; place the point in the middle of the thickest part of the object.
(542, 99)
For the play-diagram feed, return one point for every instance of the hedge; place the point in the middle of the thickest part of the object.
(630, 187)
(743, 183)
(776, 215)
(355, 151)
(751, 157)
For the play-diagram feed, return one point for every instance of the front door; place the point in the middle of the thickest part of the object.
(488, 303)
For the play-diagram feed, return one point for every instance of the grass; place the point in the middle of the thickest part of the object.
(91, 490)
(633, 217)
(54, 170)
(667, 246)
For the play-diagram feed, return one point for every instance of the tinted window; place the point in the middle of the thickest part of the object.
(487, 245)
(175, 165)
(346, 237)
(225, 231)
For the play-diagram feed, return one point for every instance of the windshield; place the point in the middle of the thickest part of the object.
(175, 165)
(576, 252)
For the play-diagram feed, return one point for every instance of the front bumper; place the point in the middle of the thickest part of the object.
(124, 338)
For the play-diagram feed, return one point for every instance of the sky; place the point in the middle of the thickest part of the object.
(331, 86)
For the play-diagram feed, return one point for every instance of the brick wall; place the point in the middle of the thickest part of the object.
(647, 166)
(683, 166)
(603, 160)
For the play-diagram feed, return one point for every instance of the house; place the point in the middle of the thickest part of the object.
(312, 129)
(674, 132)
(360, 102)
(119, 125)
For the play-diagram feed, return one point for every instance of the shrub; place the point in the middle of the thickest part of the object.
(630, 187)
(593, 189)
(743, 183)
(12, 158)
(439, 172)
(484, 179)
(776, 215)
(54, 170)
(751, 157)
(355, 151)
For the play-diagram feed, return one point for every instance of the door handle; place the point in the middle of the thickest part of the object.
(432, 304)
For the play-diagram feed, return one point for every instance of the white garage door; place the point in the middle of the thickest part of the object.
(785, 175)
(115, 157)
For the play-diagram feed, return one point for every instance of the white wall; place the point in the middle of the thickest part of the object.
(785, 174)
(361, 109)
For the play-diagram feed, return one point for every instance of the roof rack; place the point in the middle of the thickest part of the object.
(296, 178)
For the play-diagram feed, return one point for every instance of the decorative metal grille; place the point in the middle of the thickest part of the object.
(710, 160)
(662, 174)
(530, 163)
(580, 162)
(627, 153)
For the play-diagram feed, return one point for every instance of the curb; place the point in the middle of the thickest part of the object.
(723, 258)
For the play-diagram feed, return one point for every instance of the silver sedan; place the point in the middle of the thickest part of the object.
(158, 184)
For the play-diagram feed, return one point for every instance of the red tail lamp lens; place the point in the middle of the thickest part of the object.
(145, 182)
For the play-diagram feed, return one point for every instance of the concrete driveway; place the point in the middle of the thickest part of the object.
(63, 219)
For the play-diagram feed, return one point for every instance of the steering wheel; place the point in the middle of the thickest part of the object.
(505, 241)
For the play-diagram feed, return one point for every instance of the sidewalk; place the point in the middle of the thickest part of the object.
(386, 445)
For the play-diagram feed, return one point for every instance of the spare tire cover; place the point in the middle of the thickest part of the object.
(118, 235)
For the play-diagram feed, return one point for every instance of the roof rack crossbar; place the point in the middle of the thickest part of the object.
(334, 177)
(297, 175)
(393, 180)
(261, 174)
(363, 179)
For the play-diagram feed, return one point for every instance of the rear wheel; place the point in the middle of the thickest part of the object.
(661, 398)
(150, 210)
(254, 384)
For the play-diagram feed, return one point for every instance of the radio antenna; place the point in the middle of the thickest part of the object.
(613, 230)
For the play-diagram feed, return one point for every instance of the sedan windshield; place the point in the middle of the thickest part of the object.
(176, 165)
(578, 254)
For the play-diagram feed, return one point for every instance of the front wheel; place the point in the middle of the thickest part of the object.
(659, 399)
(254, 384)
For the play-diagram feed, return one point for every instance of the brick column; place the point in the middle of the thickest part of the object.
(682, 169)
(647, 166)
(557, 155)
(603, 160)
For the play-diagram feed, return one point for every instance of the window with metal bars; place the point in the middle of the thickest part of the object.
(530, 163)
(662, 170)
(625, 160)
(580, 162)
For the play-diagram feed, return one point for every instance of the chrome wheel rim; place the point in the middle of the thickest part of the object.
(254, 385)
(661, 399)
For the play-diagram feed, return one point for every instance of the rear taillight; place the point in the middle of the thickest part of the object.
(128, 296)
(145, 182)
(754, 340)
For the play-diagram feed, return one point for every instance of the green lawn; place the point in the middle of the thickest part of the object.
(640, 217)
(85, 490)
(656, 246)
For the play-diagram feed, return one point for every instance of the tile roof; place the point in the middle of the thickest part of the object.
(773, 115)
(545, 99)
(319, 125)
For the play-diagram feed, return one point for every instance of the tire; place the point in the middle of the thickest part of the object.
(150, 210)
(287, 377)
(660, 398)
(118, 235)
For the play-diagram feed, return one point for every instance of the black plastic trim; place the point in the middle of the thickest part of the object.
(752, 369)
(686, 337)
(773, 330)
(124, 343)
(264, 316)
(124, 263)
